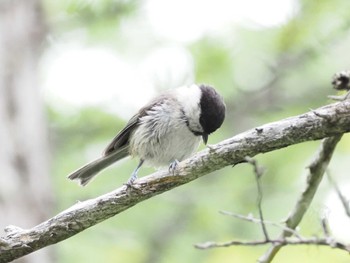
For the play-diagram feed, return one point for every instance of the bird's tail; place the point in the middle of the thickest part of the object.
(84, 174)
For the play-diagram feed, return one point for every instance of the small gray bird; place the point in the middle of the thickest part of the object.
(165, 131)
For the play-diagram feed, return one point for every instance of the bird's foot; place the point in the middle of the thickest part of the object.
(172, 166)
(133, 176)
(131, 180)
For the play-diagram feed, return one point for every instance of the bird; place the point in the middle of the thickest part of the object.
(164, 132)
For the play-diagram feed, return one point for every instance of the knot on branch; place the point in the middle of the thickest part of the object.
(341, 80)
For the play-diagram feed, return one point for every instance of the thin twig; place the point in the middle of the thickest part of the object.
(252, 219)
(278, 242)
(343, 199)
(259, 171)
(325, 227)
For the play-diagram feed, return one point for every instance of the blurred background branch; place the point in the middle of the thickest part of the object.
(317, 169)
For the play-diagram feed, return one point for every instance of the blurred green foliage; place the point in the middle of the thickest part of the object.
(94, 16)
(265, 74)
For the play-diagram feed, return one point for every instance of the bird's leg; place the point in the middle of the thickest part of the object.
(173, 166)
(133, 176)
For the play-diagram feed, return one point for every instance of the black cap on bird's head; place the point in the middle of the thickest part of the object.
(212, 111)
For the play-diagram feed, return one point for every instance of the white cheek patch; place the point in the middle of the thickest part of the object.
(189, 98)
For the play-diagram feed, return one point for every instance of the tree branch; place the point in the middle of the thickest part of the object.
(317, 168)
(259, 171)
(278, 242)
(330, 120)
(252, 219)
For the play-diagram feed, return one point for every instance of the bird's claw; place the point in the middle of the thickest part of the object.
(172, 166)
(131, 181)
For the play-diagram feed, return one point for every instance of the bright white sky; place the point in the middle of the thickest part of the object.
(188, 20)
(79, 75)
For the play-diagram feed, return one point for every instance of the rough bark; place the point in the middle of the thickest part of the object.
(23, 140)
(324, 122)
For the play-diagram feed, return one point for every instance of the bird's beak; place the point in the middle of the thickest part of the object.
(205, 138)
